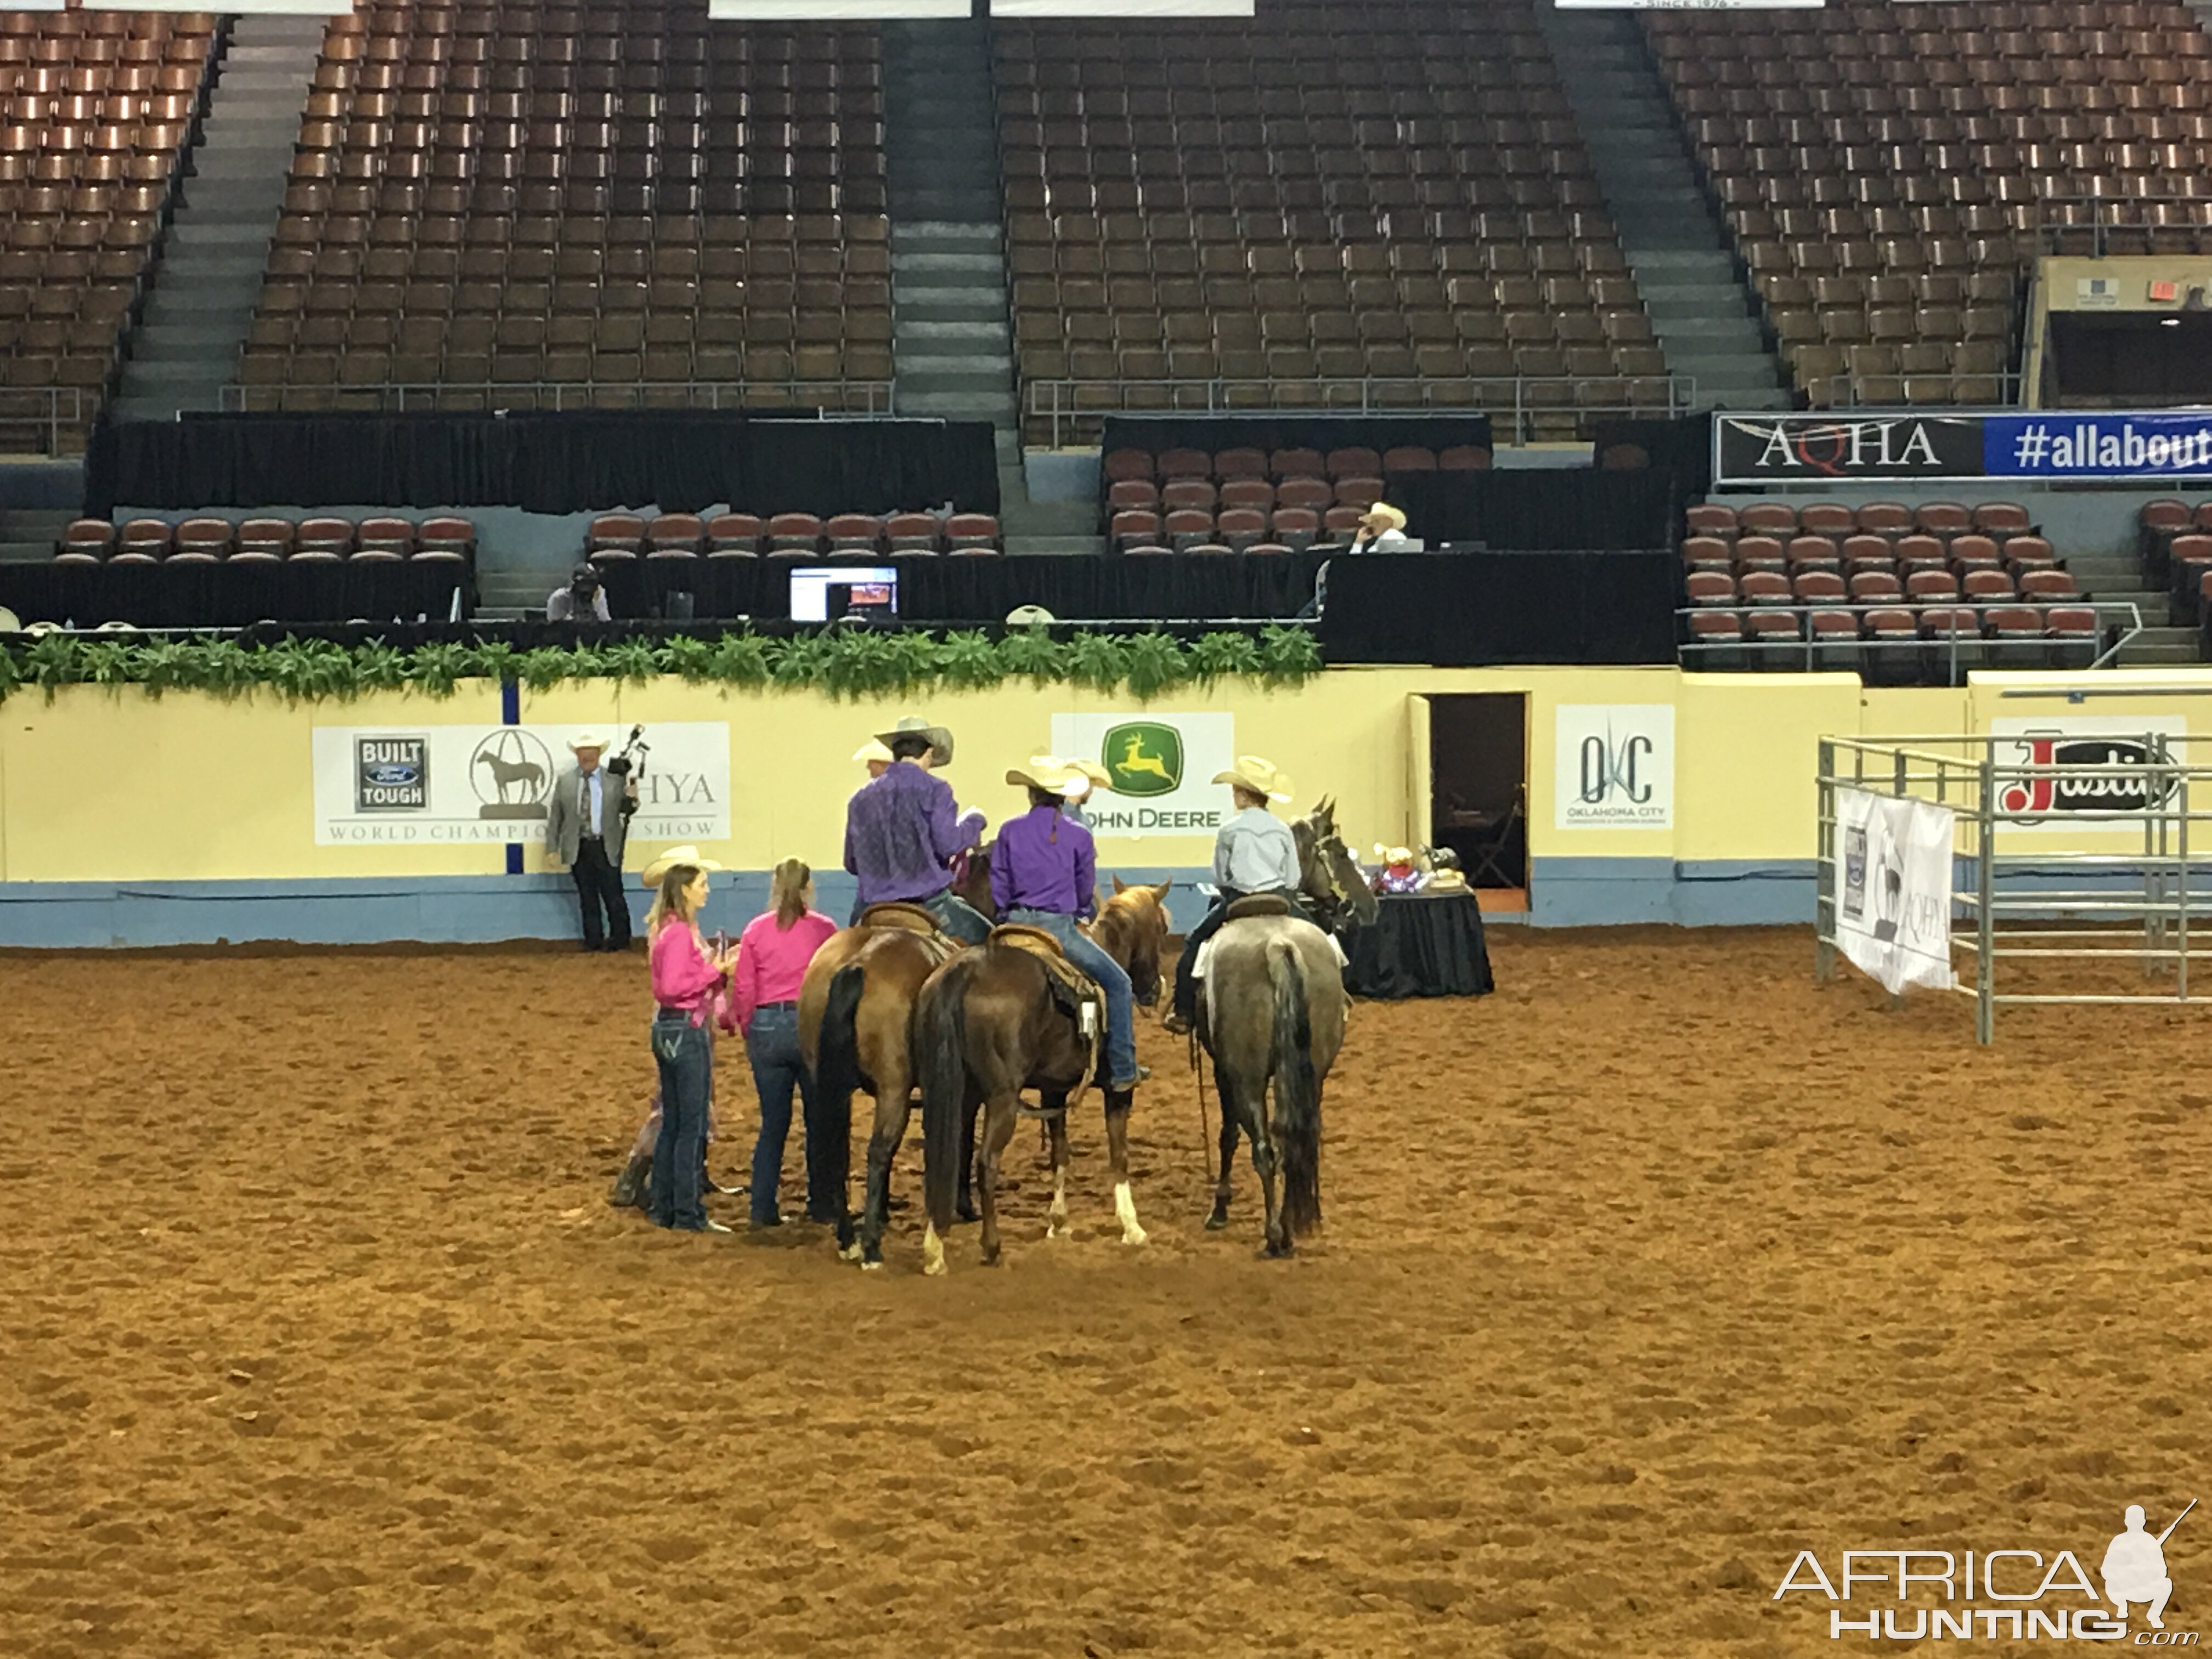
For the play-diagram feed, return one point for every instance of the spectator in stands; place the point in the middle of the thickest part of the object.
(903, 830)
(1382, 530)
(772, 957)
(1044, 873)
(687, 979)
(878, 757)
(587, 822)
(581, 600)
(1254, 852)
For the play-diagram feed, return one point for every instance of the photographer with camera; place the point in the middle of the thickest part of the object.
(587, 821)
(582, 600)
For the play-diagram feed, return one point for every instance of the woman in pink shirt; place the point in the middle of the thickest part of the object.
(772, 957)
(686, 978)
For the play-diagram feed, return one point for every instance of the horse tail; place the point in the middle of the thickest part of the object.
(837, 1073)
(941, 1048)
(1297, 1127)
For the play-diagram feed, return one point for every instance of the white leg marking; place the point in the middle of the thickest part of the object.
(1124, 1207)
(1056, 1217)
(851, 1252)
(932, 1252)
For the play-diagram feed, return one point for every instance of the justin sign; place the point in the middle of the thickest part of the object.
(1162, 766)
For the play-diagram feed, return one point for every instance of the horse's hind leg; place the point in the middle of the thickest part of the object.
(1055, 1140)
(891, 1112)
(965, 1210)
(998, 1129)
(1264, 1159)
(1220, 1219)
(1117, 1149)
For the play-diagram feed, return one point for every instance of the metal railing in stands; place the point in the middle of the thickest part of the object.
(1075, 410)
(33, 419)
(1998, 389)
(2118, 622)
(867, 397)
(2140, 224)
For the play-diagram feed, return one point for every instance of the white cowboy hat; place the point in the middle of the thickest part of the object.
(872, 750)
(653, 873)
(940, 739)
(1383, 516)
(586, 739)
(10, 621)
(1030, 616)
(1087, 775)
(1047, 772)
(1259, 776)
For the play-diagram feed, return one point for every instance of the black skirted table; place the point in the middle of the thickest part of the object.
(1420, 946)
(235, 594)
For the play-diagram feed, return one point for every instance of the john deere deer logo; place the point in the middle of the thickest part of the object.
(1144, 757)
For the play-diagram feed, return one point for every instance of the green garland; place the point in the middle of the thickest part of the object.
(844, 664)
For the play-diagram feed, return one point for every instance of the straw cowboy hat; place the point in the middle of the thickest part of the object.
(654, 872)
(1259, 776)
(1030, 616)
(1047, 772)
(1383, 516)
(1096, 775)
(1393, 854)
(872, 750)
(586, 739)
(940, 739)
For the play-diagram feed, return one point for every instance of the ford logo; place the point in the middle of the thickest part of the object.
(391, 775)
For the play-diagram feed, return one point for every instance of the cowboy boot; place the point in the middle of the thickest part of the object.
(629, 1185)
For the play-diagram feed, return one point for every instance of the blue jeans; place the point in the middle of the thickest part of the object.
(685, 1054)
(772, 1046)
(1121, 1012)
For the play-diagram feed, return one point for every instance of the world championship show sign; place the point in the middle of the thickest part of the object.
(2074, 444)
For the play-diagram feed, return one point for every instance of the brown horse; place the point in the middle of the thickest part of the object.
(990, 1022)
(1273, 1012)
(971, 880)
(855, 1021)
(1133, 929)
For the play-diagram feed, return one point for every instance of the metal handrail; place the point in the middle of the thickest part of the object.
(1853, 395)
(875, 398)
(46, 411)
(2107, 214)
(2124, 615)
(1065, 401)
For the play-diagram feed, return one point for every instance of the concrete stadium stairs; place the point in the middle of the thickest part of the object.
(1679, 252)
(208, 270)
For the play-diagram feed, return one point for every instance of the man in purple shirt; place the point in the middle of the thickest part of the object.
(1044, 873)
(902, 830)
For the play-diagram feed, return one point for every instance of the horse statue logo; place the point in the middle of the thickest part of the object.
(521, 772)
(1144, 757)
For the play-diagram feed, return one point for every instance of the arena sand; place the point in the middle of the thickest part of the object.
(318, 1337)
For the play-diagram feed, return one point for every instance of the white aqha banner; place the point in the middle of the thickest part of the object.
(1163, 767)
(431, 785)
(1893, 888)
(1612, 766)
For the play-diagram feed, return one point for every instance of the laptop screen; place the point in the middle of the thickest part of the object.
(824, 592)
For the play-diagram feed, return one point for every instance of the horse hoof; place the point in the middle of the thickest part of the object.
(877, 1266)
(850, 1252)
(1135, 1235)
(1216, 1221)
(966, 1212)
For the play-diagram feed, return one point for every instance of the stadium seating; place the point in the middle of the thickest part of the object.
(1886, 169)
(211, 540)
(495, 197)
(622, 538)
(1307, 205)
(98, 108)
(1248, 501)
(2175, 540)
(1976, 583)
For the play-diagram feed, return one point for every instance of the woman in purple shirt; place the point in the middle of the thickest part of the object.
(1044, 872)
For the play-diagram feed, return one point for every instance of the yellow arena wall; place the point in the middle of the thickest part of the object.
(126, 818)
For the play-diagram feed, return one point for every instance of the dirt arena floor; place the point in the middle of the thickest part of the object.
(318, 1336)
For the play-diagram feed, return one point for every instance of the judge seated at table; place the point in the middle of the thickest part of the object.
(1382, 530)
(581, 600)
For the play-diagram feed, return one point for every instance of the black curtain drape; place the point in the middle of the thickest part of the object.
(679, 460)
(191, 594)
(1538, 508)
(1683, 447)
(937, 588)
(1420, 946)
(1471, 609)
(1215, 432)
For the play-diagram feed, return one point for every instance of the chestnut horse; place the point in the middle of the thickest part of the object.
(990, 1022)
(855, 1020)
(1133, 928)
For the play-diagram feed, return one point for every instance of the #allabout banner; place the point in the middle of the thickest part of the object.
(1753, 449)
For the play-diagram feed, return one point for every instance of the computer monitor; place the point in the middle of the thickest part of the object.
(821, 593)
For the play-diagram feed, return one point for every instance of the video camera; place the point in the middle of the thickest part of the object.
(630, 757)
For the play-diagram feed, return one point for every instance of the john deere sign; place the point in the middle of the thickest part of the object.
(1160, 766)
(1146, 758)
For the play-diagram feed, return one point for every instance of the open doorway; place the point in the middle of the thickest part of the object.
(1479, 790)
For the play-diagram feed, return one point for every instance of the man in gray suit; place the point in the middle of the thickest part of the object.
(585, 826)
